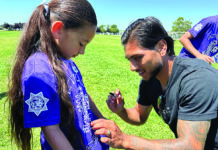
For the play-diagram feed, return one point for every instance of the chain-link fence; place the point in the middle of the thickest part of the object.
(176, 35)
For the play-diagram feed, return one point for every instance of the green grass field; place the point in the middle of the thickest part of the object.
(104, 69)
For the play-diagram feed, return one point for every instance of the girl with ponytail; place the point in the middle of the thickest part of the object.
(46, 88)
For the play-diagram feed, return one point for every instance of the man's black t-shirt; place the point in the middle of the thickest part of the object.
(191, 94)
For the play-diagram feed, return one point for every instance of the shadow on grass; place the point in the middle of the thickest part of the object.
(2, 95)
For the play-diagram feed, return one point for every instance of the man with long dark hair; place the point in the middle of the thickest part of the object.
(188, 89)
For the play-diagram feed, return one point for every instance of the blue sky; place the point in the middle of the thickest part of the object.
(122, 12)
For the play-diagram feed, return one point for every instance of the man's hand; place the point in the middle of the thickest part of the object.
(114, 136)
(115, 102)
(136, 116)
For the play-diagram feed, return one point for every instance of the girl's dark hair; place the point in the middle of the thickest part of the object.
(74, 14)
(148, 32)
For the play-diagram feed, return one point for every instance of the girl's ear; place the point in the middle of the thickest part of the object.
(56, 29)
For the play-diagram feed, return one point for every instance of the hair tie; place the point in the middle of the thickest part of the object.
(45, 4)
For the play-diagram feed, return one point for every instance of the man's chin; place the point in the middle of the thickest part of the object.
(153, 74)
(148, 78)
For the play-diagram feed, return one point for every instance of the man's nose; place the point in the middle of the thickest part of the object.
(133, 66)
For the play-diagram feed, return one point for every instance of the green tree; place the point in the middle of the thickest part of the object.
(102, 28)
(181, 25)
(7, 26)
(114, 29)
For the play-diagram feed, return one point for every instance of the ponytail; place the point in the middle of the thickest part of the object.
(26, 47)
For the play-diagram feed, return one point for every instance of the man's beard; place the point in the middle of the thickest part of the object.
(155, 71)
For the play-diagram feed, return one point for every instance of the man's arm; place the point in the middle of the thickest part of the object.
(137, 115)
(185, 41)
(191, 135)
(56, 138)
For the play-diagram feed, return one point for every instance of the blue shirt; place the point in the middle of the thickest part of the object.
(42, 103)
(205, 37)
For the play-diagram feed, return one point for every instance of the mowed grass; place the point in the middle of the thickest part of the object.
(104, 69)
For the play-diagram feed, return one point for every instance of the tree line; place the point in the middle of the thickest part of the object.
(101, 29)
(108, 28)
(179, 25)
(15, 26)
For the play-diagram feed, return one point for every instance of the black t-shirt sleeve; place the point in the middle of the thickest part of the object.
(198, 98)
(149, 91)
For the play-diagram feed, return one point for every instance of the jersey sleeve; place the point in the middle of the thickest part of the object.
(41, 101)
(198, 99)
(200, 27)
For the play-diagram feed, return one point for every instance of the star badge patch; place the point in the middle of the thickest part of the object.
(37, 103)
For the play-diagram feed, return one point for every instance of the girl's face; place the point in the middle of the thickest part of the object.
(73, 41)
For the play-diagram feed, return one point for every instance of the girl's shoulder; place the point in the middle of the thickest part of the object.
(37, 65)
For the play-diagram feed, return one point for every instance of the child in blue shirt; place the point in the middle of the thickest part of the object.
(46, 88)
(201, 41)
